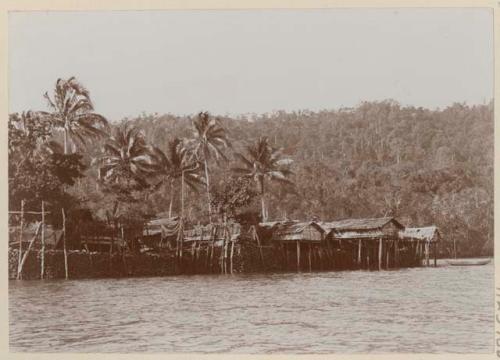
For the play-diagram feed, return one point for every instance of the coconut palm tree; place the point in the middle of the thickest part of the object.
(126, 157)
(262, 163)
(176, 165)
(72, 112)
(209, 140)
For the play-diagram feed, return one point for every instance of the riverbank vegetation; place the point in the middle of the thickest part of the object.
(378, 159)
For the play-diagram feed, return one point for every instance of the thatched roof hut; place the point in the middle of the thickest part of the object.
(372, 228)
(297, 231)
(428, 234)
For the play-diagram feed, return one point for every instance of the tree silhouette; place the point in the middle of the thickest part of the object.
(72, 112)
(262, 163)
(209, 140)
(176, 165)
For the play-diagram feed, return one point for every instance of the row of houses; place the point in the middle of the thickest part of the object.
(376, 243)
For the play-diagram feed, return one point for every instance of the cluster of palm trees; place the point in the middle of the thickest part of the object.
(126, 156)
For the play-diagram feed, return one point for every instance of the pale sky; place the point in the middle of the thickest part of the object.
(233, 62)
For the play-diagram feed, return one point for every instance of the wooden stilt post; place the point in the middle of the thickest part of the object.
(256, 235)
(368, 249)
(64, 245)
(283, 251)
(23, 260)
(417, 253)
(435, 254)
(310, 253)
(298, 255)
(20, 255)
(329, 254)
(426, 253)
(360, 244)
(42, 255)
(380, 254)
(122, 249)
(285, 247)
(387, 252)
(231, 258)
(227, 238)
(396, 253)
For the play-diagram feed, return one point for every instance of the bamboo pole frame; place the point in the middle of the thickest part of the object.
(42, 250)
(66, 272)
(20, 255)
(20, 268)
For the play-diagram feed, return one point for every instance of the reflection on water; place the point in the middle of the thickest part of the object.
(444, 309)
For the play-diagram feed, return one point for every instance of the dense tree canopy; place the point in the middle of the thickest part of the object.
(378, 159)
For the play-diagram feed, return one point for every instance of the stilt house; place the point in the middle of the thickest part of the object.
(423, 240)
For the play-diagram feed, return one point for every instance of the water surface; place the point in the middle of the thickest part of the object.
(444, 309)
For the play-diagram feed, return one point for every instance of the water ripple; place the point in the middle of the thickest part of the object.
(448, 309)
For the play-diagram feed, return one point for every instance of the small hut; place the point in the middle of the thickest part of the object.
(428, 236)
(297, 238)
(365, 243)
(159, 233)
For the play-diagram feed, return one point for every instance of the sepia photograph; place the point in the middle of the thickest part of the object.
(251, 181)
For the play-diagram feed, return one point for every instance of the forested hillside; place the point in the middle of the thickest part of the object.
(424, 167)
(378, 159)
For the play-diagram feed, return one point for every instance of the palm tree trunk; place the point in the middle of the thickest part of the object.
(171, 199)
(262, 201)
(208, 191)
(66, 141)
(182, 195)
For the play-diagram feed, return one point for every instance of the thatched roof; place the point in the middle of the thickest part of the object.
(359, 224)
(369, 234)
(429, 233)
(293, 230)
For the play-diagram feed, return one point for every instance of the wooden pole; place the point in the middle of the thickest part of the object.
(64, 245)
(42, 265)
(380, 254)
(122, 237)
(329, 253)
(417, 253)
(225, 243)
(368, 249)
(396, 253)
(387, 254)
(122, 249)
(20, 268)
(426, 253)
(231, 258)
(435, 254)
(20, 240)
(256, 235)
(360, 244)
(310, 264)
(283, 250)
(298, 255)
